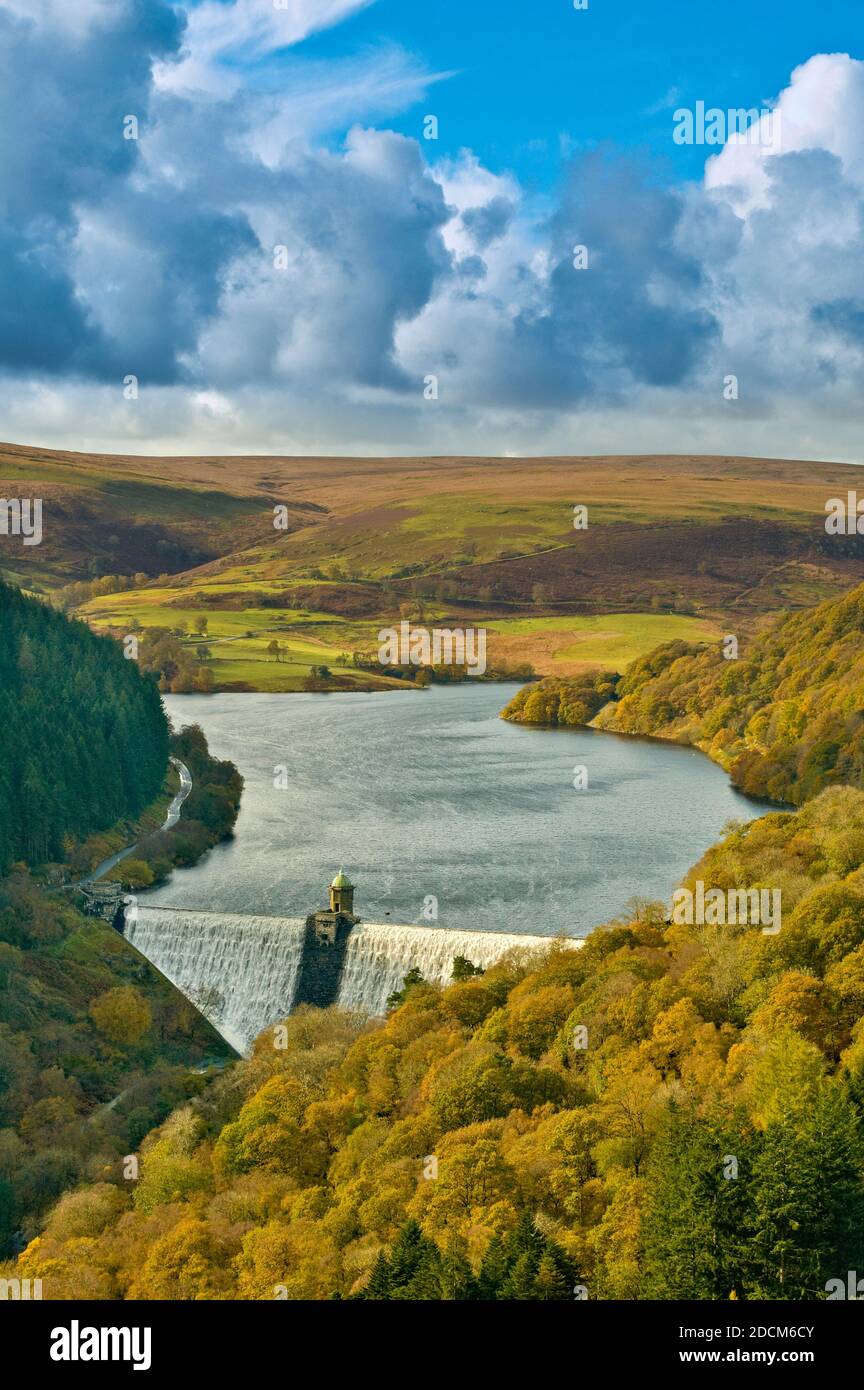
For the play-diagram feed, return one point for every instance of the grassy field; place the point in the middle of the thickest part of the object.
(564, 646)
(238, 641)
(675, 546)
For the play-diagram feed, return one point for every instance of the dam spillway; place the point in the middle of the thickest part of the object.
(240, 971)
(378, 957)
(245, 972)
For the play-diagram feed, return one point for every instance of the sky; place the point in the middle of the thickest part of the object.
(399, 226)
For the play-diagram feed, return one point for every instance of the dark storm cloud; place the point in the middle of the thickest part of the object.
(640, 303)
(637, 315)
(151, 265)
(488, 223)
(64, 96)
(43, 327)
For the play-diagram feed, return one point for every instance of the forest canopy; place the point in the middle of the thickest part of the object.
(85, 735)
(669, 1112)
(95, 1048)
(785, 717)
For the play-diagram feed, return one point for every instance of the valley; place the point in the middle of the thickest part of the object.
(675, 547)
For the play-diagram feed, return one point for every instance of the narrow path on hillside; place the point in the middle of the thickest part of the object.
(170, 820)
(198, 1068)
(769, 574)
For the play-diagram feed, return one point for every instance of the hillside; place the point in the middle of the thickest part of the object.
(95, 1045)
(89, 735)
(723, 533)
(535, 1130)
(161, 542)
(104, 515)
(786, 718)
(461, 542)
(95, 1048)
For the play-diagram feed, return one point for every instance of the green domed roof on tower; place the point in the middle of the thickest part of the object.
(341, 880)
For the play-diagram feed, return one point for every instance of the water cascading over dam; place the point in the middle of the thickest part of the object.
(243, 972)
(377, 958)
(240, 971)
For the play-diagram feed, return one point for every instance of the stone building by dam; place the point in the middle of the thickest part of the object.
(327, 933)
(246, 971)
(339, 917)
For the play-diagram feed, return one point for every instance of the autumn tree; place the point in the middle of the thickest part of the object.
(122, 1014)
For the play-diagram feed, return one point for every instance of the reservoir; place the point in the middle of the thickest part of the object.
(435, 805)
(462, 835)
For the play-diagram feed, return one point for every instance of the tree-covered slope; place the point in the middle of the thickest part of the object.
(562, 701)
(669, 1112)
(95, 1048)
(85, 738)
(786, 717)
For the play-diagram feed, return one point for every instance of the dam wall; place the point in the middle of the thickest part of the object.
(241, 972)
(245, 972)
(378, 957)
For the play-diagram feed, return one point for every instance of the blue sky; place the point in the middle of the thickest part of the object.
(527, 76)
(282, 262)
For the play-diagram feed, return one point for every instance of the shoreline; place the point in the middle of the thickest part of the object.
(785, 806)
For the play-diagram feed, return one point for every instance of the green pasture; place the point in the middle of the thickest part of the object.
(611, 639)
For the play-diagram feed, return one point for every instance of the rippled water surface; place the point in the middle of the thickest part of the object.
(430, 794)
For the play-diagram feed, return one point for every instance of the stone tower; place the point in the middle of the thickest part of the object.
(342, 895)
(334, 923)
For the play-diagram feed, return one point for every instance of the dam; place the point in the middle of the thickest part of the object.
(244, 972)
(429, 796)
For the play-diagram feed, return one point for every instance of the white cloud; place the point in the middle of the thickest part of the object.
(221, 38)
(362, 250)
(399, 264)
(68, 16)
(315, 99)
(821, 109)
